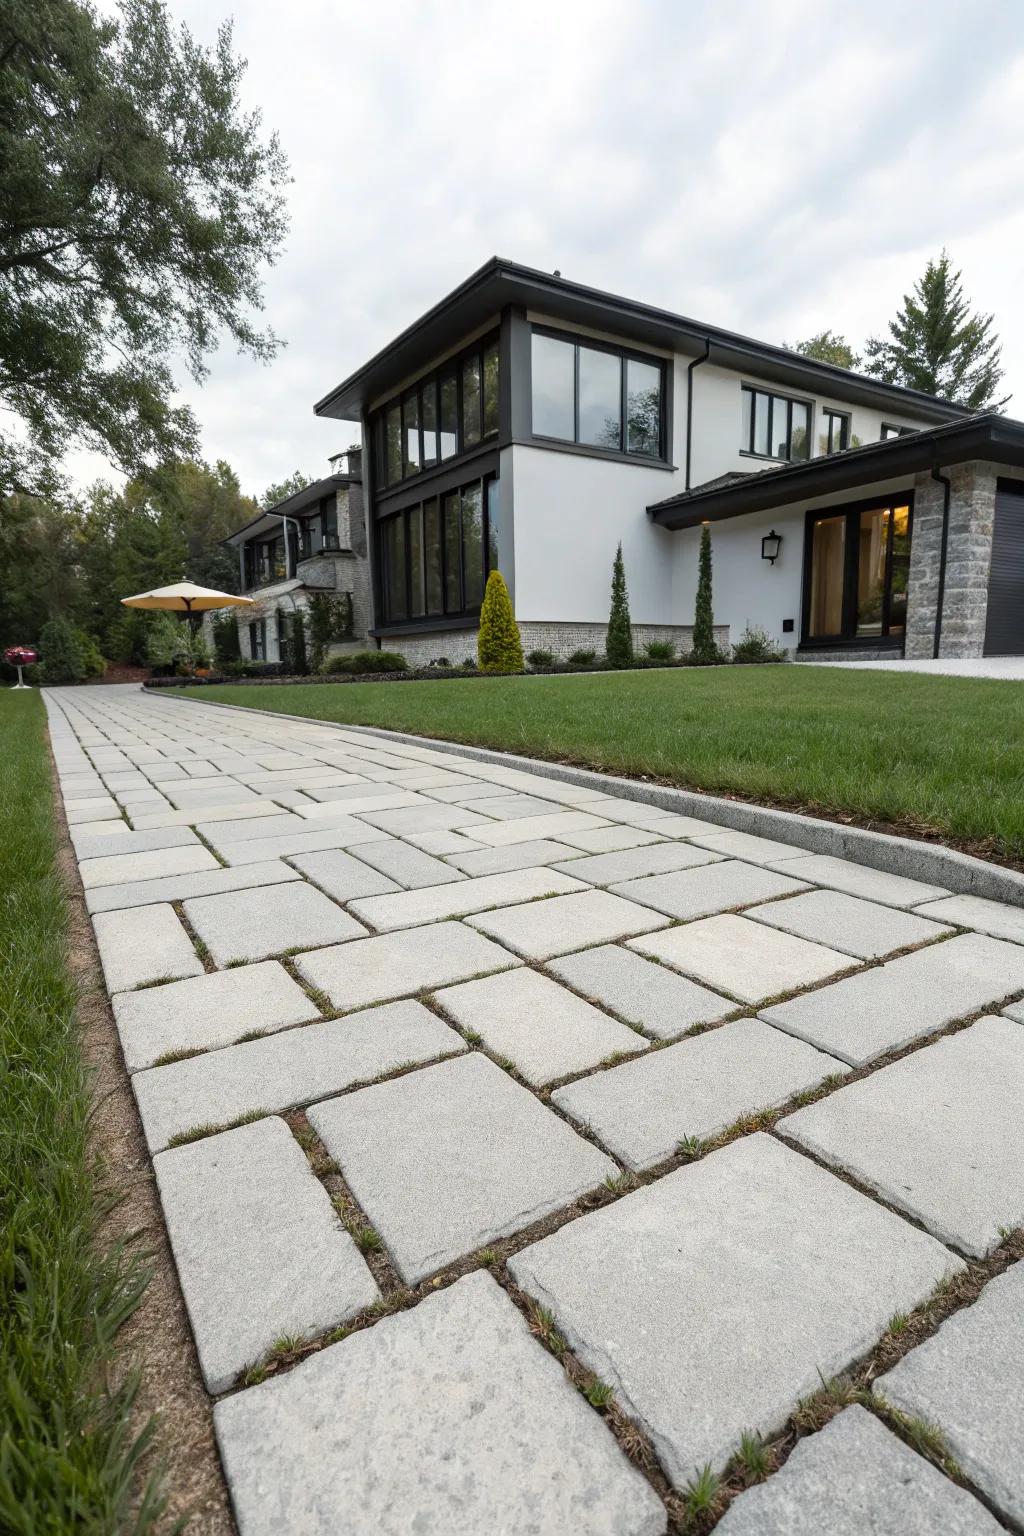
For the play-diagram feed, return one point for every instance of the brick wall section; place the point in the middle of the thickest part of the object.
(968, 557)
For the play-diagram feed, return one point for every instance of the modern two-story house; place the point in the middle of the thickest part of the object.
(529, 423)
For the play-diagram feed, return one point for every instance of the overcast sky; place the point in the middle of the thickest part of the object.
(773, 168)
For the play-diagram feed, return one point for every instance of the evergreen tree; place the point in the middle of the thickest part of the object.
(704, 648)
(937, 345)
(619, 644)
(498, 646)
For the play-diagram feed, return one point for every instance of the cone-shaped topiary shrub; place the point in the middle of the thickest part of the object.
(619, 644)
(498, 646)
(704, 647)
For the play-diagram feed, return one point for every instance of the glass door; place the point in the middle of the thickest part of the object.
(857, 565)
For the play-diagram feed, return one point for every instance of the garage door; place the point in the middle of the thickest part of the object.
(1004, 629)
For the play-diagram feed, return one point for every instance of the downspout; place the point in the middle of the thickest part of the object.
(689, 402)
(946, 484)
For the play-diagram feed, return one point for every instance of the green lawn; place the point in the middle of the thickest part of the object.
(67, 1452)
(935, 755)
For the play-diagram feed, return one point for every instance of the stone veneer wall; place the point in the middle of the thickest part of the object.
(968, 557)
(459, 645)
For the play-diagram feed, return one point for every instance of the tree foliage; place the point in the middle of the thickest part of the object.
(937, 344)
(498, 646)
(67, 654)
(284, 488)
(619, 643)
(829, 347)
(139, 205)
(704, 648)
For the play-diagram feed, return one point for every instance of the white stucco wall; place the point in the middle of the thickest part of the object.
(570, 513)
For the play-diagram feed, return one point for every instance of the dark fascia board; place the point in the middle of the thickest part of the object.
(995, 438)
(292, 505)
(499, 283)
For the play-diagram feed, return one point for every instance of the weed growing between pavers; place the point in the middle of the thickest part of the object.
(72, 1453)
(200, 1132)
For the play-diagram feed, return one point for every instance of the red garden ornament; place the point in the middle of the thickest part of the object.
(20, 656)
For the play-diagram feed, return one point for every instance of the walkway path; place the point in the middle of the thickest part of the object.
(526, 1151)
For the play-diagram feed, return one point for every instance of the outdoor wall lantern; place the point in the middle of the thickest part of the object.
(770, 546)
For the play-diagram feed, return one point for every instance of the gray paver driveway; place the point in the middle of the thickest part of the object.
(483, 1021)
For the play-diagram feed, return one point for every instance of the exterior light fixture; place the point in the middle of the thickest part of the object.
(770, 546)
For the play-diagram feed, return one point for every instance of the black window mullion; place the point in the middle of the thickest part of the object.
(575, 398)
(462, 558)
(887, 580)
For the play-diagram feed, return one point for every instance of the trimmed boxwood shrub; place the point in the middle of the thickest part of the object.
(660, 650)
(583, 658)
(367, 661)
(540, 658)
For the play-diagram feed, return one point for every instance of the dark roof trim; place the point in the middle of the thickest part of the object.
(301, 501)
(499, 283)
(997, 438)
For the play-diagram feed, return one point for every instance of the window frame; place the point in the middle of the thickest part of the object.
(625, 355)
(427, 383)
(832, 414)
(890, 430)
(847, 636)
(449, 613)
(749, 451)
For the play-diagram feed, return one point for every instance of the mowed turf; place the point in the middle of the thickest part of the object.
(68, 1451)
(936, 755)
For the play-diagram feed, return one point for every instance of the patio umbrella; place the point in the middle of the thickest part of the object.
(185, 597)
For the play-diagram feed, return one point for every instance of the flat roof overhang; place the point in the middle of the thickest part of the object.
(998, 439)
(270, 519)
(499, 283)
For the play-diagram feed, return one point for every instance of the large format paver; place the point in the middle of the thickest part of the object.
(495, 861)
(209, 1011)
(452, 1157)
(446, 1420)
(342, 876)
(938, 1133)
(428, 817)
(343, 834)
(717, 1297)
(641, 992)
(896, 1003)
(244, 829)
(123, 868)
(742, 957)
(748, 846)
(860, 928)
(992, 917)
(250, 925)
(562, 923)
(527, 829)
(395, 964)
(406, 866)
(287, 1069)
(197, 815)
(861, 880)
(120, 839)
(546, 1031)
(690, 893)
(205, 882)
(854, 1478)
(144, 944)
(430, 904)
(260, 1251)
(632, 863)
(612, 839)
(969, 1380)
(643, 1109)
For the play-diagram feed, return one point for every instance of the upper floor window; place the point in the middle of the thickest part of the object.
(597, 396)
(834, 435)
(889, 430)
(451, 410)
(774, 426)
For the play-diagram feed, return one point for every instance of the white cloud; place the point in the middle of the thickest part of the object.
(774, 168)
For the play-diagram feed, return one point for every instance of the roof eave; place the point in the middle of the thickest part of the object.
(985, 437)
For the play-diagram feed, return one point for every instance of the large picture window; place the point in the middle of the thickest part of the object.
(597, 396)
(449, 412)
(774, 426)
(435, 556)
(857, 566)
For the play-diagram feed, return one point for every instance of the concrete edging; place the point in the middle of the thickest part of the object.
(931, 863)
